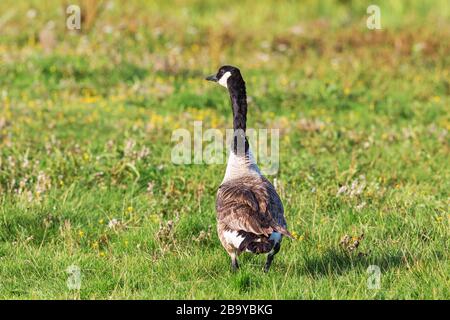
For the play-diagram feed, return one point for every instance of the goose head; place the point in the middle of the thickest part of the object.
(228, 77)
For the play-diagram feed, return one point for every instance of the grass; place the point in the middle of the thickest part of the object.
(85, 127)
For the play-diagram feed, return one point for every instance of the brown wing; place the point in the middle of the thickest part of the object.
(245, 204)
(275, 206)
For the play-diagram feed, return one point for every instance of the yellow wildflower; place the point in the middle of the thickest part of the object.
(154, 218)
(90, 99)
(284, 81)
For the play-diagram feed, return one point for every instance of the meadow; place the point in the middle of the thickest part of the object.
(86, 119)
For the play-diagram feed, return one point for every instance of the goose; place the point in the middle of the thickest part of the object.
(250, 214)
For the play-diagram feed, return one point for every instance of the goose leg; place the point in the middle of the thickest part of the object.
(270, 257)
(234, 262)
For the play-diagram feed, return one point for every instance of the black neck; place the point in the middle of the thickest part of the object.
(238, 97)
(239, 106)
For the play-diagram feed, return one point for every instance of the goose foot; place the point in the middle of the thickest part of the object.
(234, 265)
(234, 262)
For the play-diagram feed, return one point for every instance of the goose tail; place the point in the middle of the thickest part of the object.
(284, 232)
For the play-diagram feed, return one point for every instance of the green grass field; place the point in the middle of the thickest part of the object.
(86, 119)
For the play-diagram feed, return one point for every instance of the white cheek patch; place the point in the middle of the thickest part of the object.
(223, 80)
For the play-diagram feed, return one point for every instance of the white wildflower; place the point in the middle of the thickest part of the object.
(129, 146)
(43, 183)
(342, 190)
(114, 223)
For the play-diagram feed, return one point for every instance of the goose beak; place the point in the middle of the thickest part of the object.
(212, 78)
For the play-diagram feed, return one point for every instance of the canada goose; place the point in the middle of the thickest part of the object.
(250, 215)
